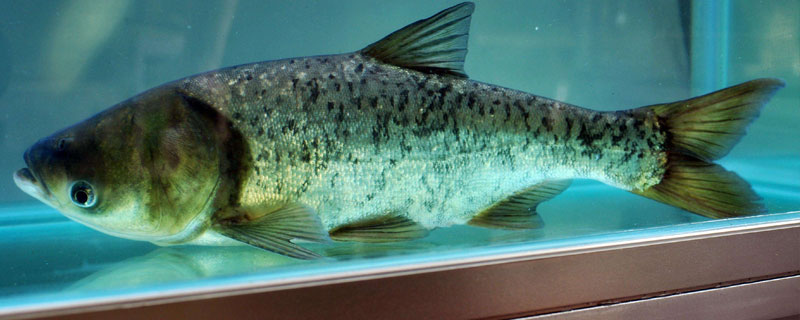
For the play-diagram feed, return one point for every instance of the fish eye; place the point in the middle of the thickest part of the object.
(82, 194)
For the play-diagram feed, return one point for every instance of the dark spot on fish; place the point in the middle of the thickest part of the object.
(291, 61)
(357, 102)
(363, 81)
(337, 87)
(263, 92)
(375, 136)
(359, 68)
(330, 106)
(294, 83)
(308, 66)
(314, 90)
(306, 157)
(445, 90)
(616, 138)
(249, 77)
(422, 83)
(595, 118)
(331, 76)
(260, 132)
(237, 115)
(340, 116)
(496, 102)
(289, 127)
(350, 86)
(429, 204)
(373, 102)
(546, 123)
(403, 101)
(627, 156)
(638, 122)
(404, 121)
(587, 137)
(568, 123)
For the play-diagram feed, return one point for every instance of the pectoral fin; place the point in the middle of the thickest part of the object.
(519, 210)
(387, 228)
(275, 230)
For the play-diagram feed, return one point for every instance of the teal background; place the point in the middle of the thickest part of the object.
(62, 61)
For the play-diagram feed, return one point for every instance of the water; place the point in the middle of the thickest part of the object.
(63, 61)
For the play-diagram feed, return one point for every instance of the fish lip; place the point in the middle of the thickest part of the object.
(28, 178)
(25, 180)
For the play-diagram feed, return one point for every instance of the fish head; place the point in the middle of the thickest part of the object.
(144, 169)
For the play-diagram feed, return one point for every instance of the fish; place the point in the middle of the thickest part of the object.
(383, 144)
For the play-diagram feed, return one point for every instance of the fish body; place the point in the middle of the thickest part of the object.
(354, 137)
(378, 145)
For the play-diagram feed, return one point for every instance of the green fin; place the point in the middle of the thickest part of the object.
(434, 45)
(275, 230)
(703, 129)
(707, 127)
(518, 211)
(704, 188)
(386, 228)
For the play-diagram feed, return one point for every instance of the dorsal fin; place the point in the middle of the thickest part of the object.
(434, 45)
(518, 211)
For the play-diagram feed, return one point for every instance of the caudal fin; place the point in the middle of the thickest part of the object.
(703, 129)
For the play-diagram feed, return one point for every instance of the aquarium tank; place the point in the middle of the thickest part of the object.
(64, 61)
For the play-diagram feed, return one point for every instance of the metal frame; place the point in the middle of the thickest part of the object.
(743, 259)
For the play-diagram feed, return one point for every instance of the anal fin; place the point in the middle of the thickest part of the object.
(387, 228)
(275, 230)
(518, 211)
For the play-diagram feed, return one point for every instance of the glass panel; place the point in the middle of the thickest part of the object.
(66, 60)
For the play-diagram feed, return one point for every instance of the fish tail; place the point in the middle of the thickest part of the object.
(698, 131)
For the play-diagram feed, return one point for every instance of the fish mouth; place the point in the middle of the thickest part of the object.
(27, 180)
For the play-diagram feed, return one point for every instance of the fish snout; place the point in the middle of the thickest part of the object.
(29, 179)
